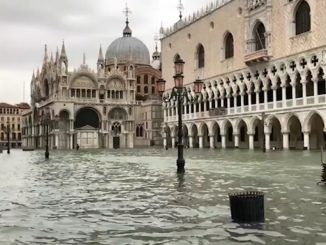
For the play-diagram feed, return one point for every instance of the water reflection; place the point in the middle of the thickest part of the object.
(135, 197)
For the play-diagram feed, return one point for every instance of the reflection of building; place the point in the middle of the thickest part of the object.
(10, 117)
(96, 109)
(254, 57)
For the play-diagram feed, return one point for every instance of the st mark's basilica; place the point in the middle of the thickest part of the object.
(115, 106)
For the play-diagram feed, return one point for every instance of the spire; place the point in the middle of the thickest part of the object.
(127, 31)
(38, 72)
(180, 8)
(51, 58)
(45, 53)
(100, 55)
(57, 55)
(84, 59)
(63, 51)
(33, 76)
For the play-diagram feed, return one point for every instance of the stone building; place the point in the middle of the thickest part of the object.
(10, 118)
(97, 109)
(263, 67)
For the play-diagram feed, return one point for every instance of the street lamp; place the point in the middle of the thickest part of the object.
(46, 121)
(179, 94)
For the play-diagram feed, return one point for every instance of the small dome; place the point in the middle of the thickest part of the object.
(128, 49)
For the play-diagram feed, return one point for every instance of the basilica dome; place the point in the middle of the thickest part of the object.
(127, 49)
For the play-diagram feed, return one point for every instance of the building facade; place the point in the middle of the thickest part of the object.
(263, 67)
(10, 124)
(96, 109)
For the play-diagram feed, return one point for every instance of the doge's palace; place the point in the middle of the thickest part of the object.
(263, 67)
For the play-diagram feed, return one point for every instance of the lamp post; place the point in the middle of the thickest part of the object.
(46, 126)
(178, 94)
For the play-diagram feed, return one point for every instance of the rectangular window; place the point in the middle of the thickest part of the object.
(94, 93)
(121, 94)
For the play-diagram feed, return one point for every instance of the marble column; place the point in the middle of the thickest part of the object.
(284, 96)
(223, 138)
(211, 142)
(201, 142)
(173, 142)
(236, 140)
(267, 141)
(286, 141)
(251, 142)
(249, 101)
(191, 142)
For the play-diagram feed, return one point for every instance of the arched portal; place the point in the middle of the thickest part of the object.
(317, 135)
(276, 136)
(87, 117)
(87, 124)
(216, 132)
(295, 133)
(63, 126)
(195, 138)
(243, 135)
(229, 135)
(258, 130)
(205, 135)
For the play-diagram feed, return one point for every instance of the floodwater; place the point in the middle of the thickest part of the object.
(135, 197)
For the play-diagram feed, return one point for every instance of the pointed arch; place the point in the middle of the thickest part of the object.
(200, 55)
(228, 45)
(259, 35)
(302, 18)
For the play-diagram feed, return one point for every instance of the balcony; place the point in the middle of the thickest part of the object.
(257, 56)
(217, 112)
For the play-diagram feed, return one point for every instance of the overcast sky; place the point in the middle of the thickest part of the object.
(26, 25)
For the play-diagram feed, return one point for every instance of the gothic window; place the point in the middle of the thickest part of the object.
(121, 94)
(138, 79)
(146, 79)
(153, 80)
(116, 128)
(72, 92)
(302, 18)
(109, 94)
(138, 89)
(259, 34)
(140, 130)
(153, 90)
(146, 90)
(200, 56)
(229, 48)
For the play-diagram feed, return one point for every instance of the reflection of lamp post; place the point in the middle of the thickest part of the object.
(178, 94)
(263, 121)
(8, 137)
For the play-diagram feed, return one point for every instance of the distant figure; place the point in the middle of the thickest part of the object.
(166, 147)
(77, 147)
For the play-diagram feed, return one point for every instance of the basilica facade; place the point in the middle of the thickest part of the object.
(115, 106)
(263, 66)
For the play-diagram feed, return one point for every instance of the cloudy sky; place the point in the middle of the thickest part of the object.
(26, 25)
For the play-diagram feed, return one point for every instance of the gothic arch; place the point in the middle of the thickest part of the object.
(287, 119)
(258, 32)
(228, 45)
(306, 125)
(117, 114)
(302, 17)
(200, 56)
